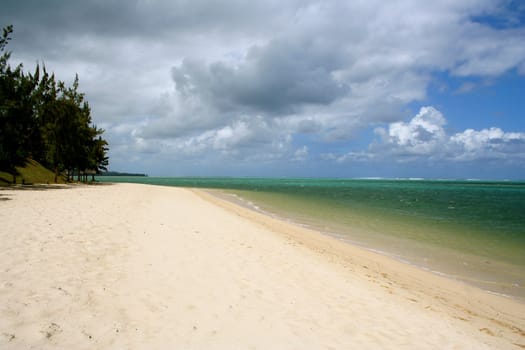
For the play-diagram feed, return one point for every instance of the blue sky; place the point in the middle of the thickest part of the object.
(306, 88)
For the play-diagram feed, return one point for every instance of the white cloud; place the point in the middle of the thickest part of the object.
(240, 80)
(301, 154)
(424, 137)
(489, 144)
(489, 52)
(359, 156)
(466, 88)
(335, 75)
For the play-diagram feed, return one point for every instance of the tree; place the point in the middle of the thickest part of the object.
(16, 110)
(44, 119)
(4, 40)
(98, 158)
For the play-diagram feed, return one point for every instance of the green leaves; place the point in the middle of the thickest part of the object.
(46, 120)
(3, 43)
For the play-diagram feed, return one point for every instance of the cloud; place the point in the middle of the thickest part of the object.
(244, 139)
(301, 154)
(423, 135)
(466, 87)
(488, 52)
(489, 144)
(245, 80)
(341, 76)
(425, 138)
(279, 77)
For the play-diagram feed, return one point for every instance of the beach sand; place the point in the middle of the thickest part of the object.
(131, 266)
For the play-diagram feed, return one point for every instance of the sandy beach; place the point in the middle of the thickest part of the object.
(131, 266)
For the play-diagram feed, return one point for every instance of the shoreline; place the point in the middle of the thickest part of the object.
(141, 266)
(471, 273)
(452, 293)
(339, 244)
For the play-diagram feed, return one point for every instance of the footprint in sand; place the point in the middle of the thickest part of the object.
(487, 331)
(10, 337)
(51, 330)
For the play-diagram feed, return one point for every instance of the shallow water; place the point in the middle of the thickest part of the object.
(468, 230)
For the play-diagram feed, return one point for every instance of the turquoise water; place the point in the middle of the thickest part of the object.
(472, 231)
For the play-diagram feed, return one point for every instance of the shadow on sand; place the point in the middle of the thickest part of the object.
(45, 187)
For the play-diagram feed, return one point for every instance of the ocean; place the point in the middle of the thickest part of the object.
(471, 231)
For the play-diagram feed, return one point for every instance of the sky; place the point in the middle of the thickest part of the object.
(289, 88)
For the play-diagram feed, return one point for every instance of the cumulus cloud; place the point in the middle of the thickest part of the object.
(335, 77)
(243, 80)
(488, 144)
(277, 78)
(425, 137)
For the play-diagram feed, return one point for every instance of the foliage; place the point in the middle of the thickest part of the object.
(45, 120)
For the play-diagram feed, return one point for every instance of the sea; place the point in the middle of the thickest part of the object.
(469, 230)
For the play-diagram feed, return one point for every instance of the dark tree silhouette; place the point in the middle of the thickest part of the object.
(43, 119)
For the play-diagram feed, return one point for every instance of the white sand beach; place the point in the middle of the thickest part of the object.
(131, 266)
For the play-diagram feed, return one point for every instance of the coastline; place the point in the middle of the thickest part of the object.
(484, 272)
(429, 283)
(136, 266)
